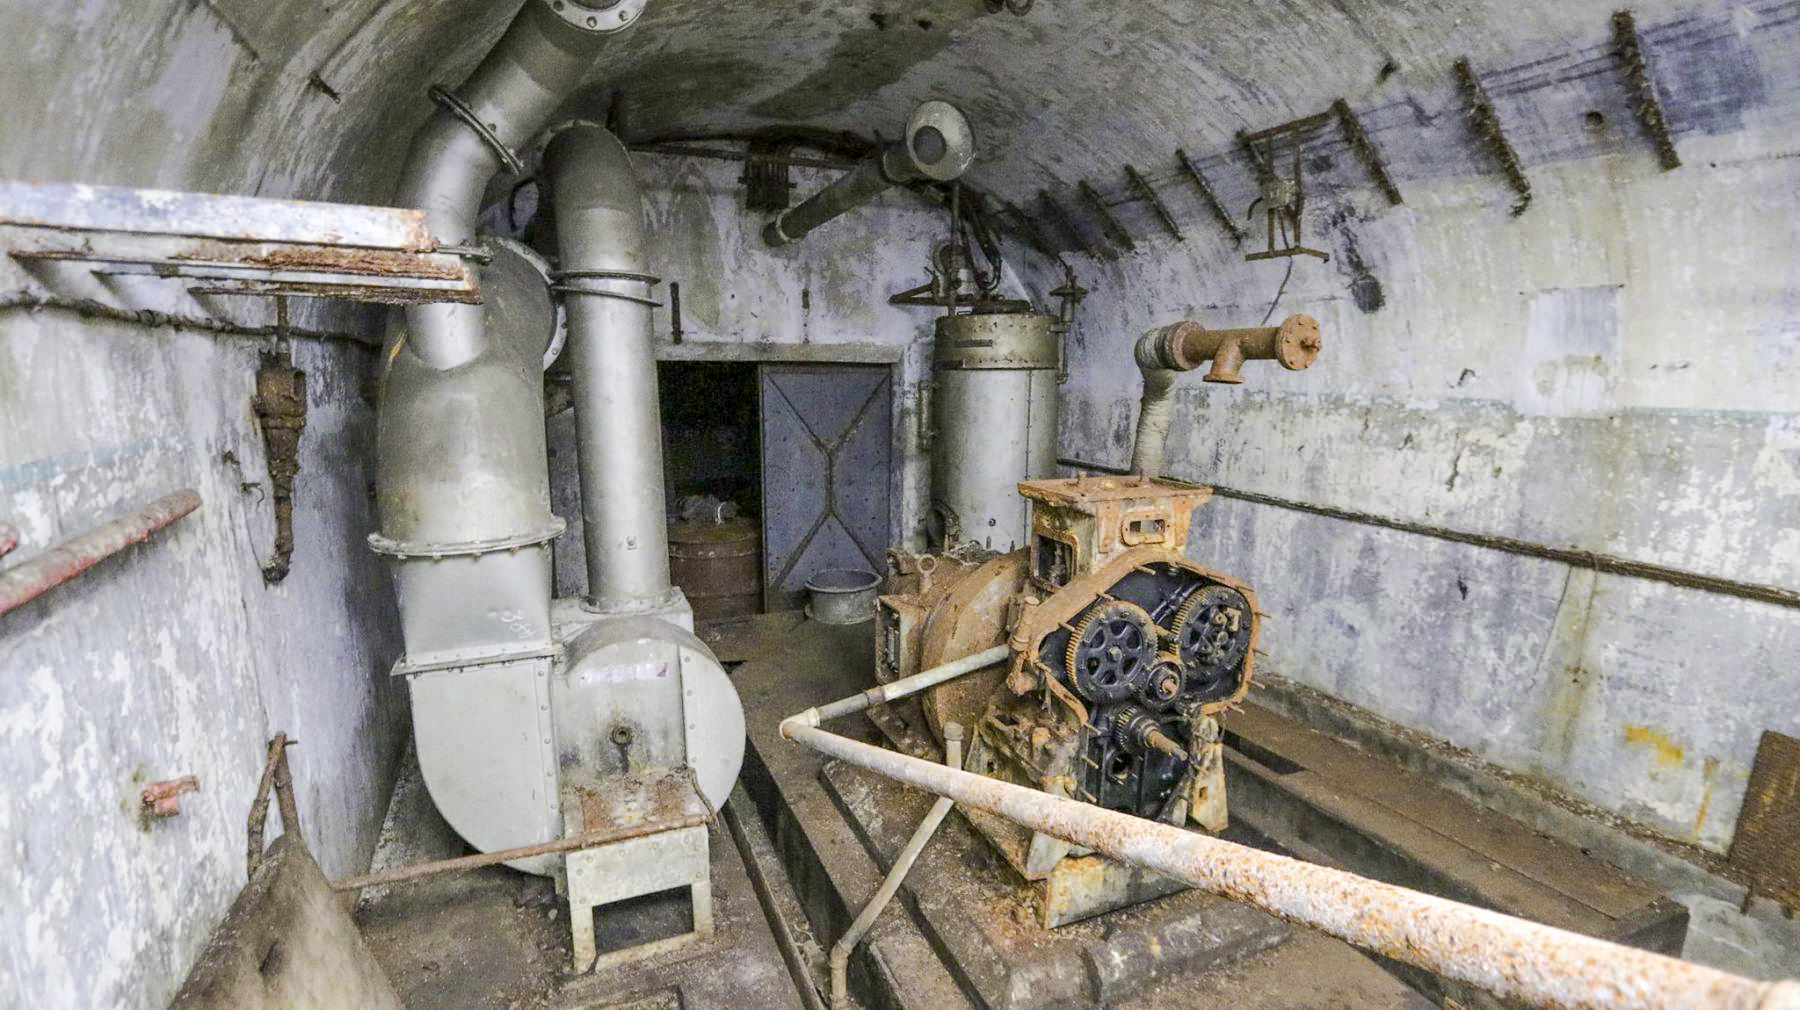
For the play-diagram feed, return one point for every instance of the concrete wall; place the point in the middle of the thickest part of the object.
(1616, 370)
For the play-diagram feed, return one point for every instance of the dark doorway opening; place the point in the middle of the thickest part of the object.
(712, 468)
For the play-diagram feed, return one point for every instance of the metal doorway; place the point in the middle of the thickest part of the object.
(827, 471)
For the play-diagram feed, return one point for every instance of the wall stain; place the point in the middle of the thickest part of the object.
(1709, 772)
(1669, 754)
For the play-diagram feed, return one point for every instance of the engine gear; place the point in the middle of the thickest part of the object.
(1112, 652)
(1212, 633)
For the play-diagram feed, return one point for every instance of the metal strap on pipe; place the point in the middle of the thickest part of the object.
(562, 277)
(1513, 958)
(454, 104)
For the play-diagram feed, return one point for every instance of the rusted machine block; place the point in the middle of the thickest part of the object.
(1122, 655)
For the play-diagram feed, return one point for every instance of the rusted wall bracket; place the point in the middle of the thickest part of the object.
(1486, 124)
(1209, 197)
(1108, 223)
(1365, 149)
(1630, 48)
(1148, 192)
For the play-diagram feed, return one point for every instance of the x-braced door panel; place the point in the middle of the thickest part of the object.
(827, 446)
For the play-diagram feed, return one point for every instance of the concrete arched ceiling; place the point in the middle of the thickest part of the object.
(300, 98)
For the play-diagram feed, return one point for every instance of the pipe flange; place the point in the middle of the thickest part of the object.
(453, 102)
(598, 17)
(545, 533)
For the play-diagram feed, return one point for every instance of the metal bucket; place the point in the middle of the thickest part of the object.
(842, 595)
(718, 566)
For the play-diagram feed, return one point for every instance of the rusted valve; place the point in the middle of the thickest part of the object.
(163, 799)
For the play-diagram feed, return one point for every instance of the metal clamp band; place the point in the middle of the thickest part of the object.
(460, 109)
(576, 289)
(607, 275)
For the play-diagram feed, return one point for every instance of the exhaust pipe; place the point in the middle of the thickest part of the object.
(477, 131)
(1164, 353)
(938, 146)
(600, 237)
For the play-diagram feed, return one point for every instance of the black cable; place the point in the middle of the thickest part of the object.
(1284, 279)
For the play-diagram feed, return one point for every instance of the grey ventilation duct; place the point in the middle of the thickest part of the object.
(606, 286)
(938, 145)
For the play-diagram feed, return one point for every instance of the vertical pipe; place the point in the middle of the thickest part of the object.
(600, 234)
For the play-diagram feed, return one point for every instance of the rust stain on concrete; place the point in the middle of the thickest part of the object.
(1668, 753)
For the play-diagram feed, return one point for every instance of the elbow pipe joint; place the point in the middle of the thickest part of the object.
(938, 146)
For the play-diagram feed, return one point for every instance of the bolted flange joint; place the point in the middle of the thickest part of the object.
(598, 16)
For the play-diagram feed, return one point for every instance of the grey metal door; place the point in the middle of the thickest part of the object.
(827, 454)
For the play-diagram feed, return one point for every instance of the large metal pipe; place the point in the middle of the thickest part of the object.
(1516, 959)
(1165, 352)
(938, 145)
(477, 131)
(605, 284)
(29, 580)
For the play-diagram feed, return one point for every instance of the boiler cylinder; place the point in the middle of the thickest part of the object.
(995, 407)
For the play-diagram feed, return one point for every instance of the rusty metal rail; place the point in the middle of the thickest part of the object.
(462, 864)
(1516, 959)
(29, 580)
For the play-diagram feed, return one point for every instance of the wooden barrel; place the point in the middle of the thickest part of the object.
(718, 566)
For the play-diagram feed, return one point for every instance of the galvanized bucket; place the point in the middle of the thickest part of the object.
(842, 595)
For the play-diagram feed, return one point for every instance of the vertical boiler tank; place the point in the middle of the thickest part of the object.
(995, 412)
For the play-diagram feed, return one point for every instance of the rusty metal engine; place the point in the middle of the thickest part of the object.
(1123, 653)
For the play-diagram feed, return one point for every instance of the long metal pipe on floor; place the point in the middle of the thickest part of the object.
(29, 580)
(1513, 958)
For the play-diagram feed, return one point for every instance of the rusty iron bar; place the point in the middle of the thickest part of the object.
(1293, 127)
(163, 799)
(1514, 958)
(680, 150)
(1063, 221)
(1210, 197)
(1148, 192)
(1365, 149)
(278, 782)
(9, 539)
(463, 864)
(1034, 235)
(28, 580)
(1486, 124)
(1581, 559)
(1643, 88)
(1108, 223)
(90, 309)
